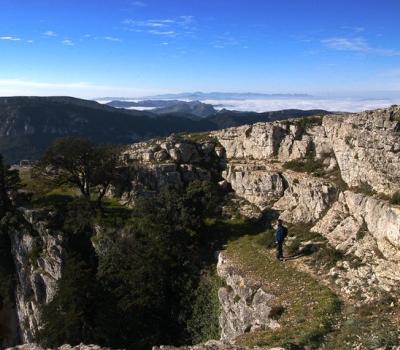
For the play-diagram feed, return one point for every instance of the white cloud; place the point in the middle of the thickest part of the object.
(139, 3)
(9, 38)
(167, 27)
(330, 104)
(30, 41)
(50, 33)
(23, 87)
(165, 33)
(111, 38)
(152, 23)
(360, 45)
(67, 42)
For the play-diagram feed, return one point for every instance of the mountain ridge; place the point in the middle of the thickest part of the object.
(28, 125)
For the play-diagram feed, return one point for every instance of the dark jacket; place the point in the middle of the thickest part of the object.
(281, 233)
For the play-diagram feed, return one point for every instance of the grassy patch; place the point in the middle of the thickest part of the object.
(364, 188)
(309, 165)
(200, 137)
(309, 308)
(367, 327)
(115, 215)
(46, 195)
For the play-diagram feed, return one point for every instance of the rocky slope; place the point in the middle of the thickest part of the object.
(38, 255)
(356, 169)
(335, 174)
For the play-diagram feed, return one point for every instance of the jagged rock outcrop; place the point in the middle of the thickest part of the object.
(246, 306)
(63, 347)
(359, 150)
(260, 184)
(210, 345)
(354, 152)
(167, 162)
(367, 148)
(369, 229)
(38, 255)
(357, 142)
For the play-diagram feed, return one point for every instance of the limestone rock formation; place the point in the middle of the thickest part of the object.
(167, 162)
(246, 306)
(369, 229)
(335, 173)
(210, 345)
(38, 255)
(33, 346)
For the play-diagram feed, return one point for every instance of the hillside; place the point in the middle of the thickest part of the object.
(196, 108)
(28, 125)
(334, 180)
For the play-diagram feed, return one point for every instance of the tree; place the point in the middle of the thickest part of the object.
(82, 164)
(9, 184)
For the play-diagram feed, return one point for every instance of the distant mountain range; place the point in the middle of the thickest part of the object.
(196, 108)
(28, 125)
(202, 96)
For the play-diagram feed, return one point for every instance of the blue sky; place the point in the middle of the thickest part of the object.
(132, 48)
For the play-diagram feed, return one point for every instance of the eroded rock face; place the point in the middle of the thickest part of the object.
(246, 306)
(257, 183)
(63, 347)
(359, 150)
(169, 162)
(305, 198)
(37, 252)
(367, 148)
(210, 345)
(369, 229)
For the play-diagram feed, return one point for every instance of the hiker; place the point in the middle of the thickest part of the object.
(280, 235)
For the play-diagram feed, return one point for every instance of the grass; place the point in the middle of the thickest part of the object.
(114, 214)
(364, 188)
(309, 313)
(308, 165)
(307, 309)
(200, 137)
(46, 195)
(367, 327)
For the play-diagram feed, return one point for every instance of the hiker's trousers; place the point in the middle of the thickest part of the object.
(279, 249)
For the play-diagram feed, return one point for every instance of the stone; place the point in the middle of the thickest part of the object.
(38, 258)
(246, 306)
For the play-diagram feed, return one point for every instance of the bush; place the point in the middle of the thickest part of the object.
(305, 166)
(204, 323)
(395, 200)
(365, 188)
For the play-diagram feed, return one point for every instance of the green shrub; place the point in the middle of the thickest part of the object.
(310, 165)
(365, 188)
(395, 200)
(305, 123)
(204, 323)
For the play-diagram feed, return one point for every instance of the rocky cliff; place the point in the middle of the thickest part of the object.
(336, 174)
(37, 249)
